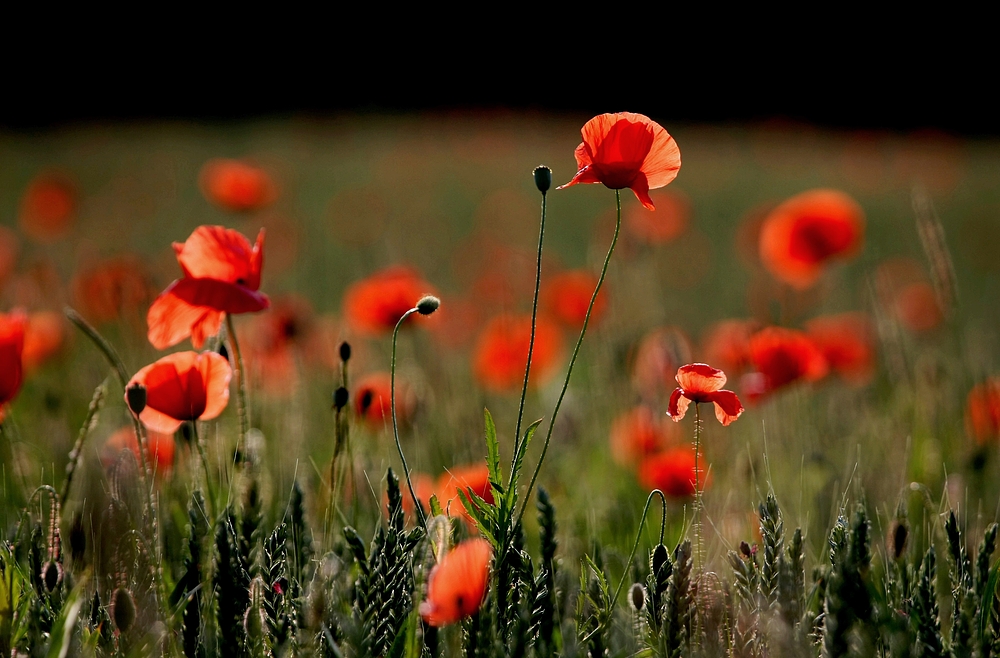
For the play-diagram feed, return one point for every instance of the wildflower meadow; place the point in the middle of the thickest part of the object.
(498, 385)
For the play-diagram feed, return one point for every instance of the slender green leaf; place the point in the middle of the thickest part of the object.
(986, 605)
(492, 449)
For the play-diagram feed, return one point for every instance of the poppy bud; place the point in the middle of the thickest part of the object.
(340, 398)
(223, 352)
(187, 433)
(745, 549)
(637, 596)
(543, 178)
(898, 534)
(122, 609)
(135, 395)
(345, 351)
(428, 304)
(51, 575)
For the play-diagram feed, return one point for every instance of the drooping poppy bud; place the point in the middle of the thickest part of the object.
(122, 609)
(428, 304)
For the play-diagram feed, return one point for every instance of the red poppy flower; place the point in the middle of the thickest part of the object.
(423, 486)
(374, 305)
(703, 383)
(237, 186)
(221, 275)
(672, 472)
(917, 307)
(665, 224)
(373, 398)
(638, 433)
(982, 411)
(567, 295)
(112, 288)
(502, 351)
(457, 585)
(160, 448)
(800, 236)
(48, 207)
(473, 476)
(11, 348)
(44, 335)
(781, 357)
(626, 150)
(9, 248)
(727, 343)
(846, 343)
(183, 386)
(273, 340)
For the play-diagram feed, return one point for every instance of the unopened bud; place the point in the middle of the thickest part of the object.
(135, 396)
(223, 352)
(340, 398)
(898, 535)
(638, 596)
(543, 178)
(52, 575)
(122, 609)
(345, 351)
(428, 304)
(745, 549)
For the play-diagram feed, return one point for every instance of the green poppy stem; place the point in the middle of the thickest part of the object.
(395, 426)
(241, 382)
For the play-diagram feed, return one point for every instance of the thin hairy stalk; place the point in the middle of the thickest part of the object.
(241, 382)
(395, 425)
(572, 361)
(531, 343)
(76, 454)
(638, 536)
(212, 500)
(696, 514)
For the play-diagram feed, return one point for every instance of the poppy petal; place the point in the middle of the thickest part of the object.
(215, 252)
(699, 379)
(172, 319)
(582, 156)
(217, 373)
(678, 405)
(641, 189)
(220, 295)
(664, 159)
(727, 406)
(587, 174)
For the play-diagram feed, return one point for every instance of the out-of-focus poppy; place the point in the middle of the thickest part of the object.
(160, 448)
(221, 275)
(639, 432)
(703, 383)
(9, 248)
(917, 307)
(846, 343)
(423, 486)
(373, 400)
(273, 341)
(236, 185)
(982, 411)
(44, 335)
(800, 236)
(48, 207)
(656, 358)
(374, 305)
(780, 357)
(183, 386)
(666, 223)
(727, 344)
(566, 297)
(501, 352)
(472, 476)
(112, 288)
(626, 150)
(457, 585)
(11, 348)
(672, 472)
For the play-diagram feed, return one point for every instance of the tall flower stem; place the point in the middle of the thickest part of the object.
(241, 381)
(395, 425)
(531, 343)
(572, 361)
(204, 462)
(638, 536)
(696, 520)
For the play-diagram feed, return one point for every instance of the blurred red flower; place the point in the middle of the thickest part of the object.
(472, 476)
(982, 411)
(801, 235)
(656, 358)
(457, 585)
(423, 486)
(672, 472)
(374, 305)
(112, 288)
(237, 186)
(626, 150)
(48, 207)
(501, 352)
(846, 343)
(44, 335)
(663, 225)
(11, 348)
(638, 433)
(276, 339)
(566, 297)
(183, 386)
(727, 344)
(703, 383)
(9, 248)
(782, 356)
(221, 275)
(160, 448)
(373, 400)
(917, 307)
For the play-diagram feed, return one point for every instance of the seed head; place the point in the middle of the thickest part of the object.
(543, 178)
(637, 596)
(340, 398)
(345, 351)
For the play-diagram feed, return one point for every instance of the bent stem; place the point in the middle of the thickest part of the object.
(638, 535)
(572, 361)
(531, 345)
(204, 462)
(241, 383)
(395, 426)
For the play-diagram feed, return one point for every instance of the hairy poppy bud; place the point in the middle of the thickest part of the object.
(345, 351)
(637, 596)
(898, 534)
(135, 395)
(745, 549)
(122, 609)
(340, 398)
(543, 178)
(428, 304)
(51, 575)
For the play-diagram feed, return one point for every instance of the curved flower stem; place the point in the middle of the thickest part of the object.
(531, 344)
(204, 462)
(696, 521)
(241, 382)
(572, 361)
(638, 536)
(395, 426)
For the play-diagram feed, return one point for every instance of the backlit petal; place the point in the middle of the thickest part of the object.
(586, 175)
(727, 406)
(171, 320)
(678, 405)
(220, 295)
(699, 378)
(217, 373)
(215, 252)
(664, 159)
(641, 189)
